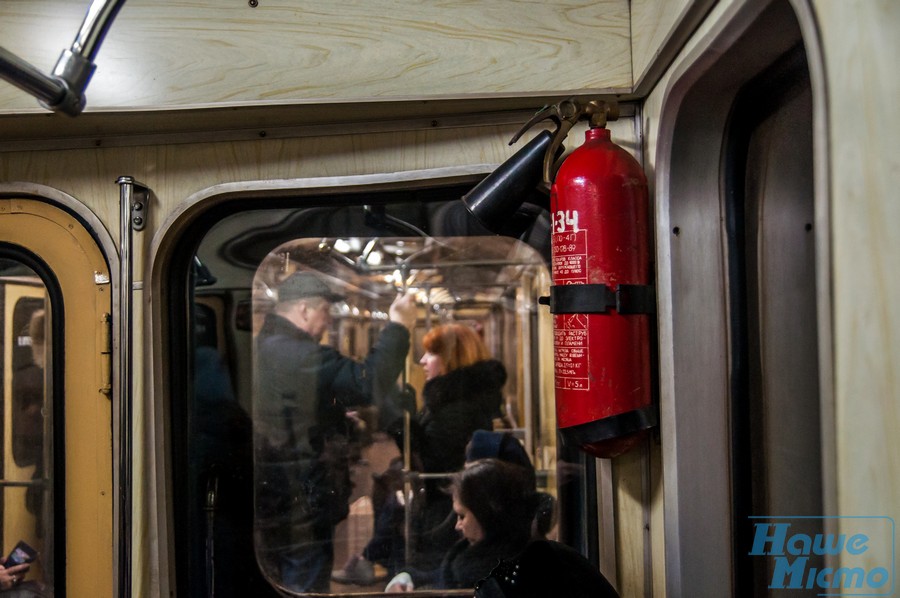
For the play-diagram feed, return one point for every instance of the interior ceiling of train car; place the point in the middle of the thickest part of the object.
(441, 271)
(117, 117)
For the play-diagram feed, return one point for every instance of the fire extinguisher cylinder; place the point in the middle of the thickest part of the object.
(600, 240)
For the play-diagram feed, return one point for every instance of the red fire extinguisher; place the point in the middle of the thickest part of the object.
(601, 298)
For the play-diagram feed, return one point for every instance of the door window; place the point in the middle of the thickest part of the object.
(27, 477)
(296, 474)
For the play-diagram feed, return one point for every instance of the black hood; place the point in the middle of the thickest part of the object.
(480, 382)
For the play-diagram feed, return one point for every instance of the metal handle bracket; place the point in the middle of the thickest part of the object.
(626, 299)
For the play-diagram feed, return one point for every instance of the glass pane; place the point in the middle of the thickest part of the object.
(313, 459)
(357, 433)
(27, 499)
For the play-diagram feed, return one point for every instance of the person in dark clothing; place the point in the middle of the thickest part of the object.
(545, 568)
(456, 404)
(498, 445)
(495, 503)
(505, 447)
(302, 432)
(28, 417)
(462, 394)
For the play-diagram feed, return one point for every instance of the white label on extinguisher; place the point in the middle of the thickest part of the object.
(569, 257)
(570, 335)
(570, 348)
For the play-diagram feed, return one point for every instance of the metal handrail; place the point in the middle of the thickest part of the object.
(63, 90)
(23, 484)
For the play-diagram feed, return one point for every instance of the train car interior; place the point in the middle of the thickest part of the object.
(234, 234)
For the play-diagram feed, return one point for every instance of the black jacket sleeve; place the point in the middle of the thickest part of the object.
(359, 383)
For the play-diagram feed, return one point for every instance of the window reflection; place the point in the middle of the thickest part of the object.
(27, 500)
(360, 420)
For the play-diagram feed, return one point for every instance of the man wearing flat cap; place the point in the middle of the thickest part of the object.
(301, 429)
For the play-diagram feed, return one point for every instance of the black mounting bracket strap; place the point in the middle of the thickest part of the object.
(626, 299)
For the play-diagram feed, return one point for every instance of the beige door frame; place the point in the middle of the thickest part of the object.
(60, 241)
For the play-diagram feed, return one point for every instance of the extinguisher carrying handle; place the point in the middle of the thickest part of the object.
(626, 299)
(565, 114)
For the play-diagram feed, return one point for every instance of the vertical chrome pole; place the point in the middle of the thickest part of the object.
(132, 196)
(408, 497)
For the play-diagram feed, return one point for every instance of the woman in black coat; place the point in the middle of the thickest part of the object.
(463, 393)
(495, 504)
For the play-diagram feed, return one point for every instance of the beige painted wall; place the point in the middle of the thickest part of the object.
(861, 48)
(170, 53)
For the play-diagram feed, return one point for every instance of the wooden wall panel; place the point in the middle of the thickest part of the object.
(861, 49)
(652, 22)
(177, 171)
(169, 53)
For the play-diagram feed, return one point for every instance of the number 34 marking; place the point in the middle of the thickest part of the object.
(565, 221)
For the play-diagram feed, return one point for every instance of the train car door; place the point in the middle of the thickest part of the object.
(746, 230)
(56, 489)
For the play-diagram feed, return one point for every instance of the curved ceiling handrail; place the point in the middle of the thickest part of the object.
(63, 90)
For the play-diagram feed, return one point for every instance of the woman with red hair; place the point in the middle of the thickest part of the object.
(463, 393)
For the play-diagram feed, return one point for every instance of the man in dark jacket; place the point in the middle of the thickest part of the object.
(301, 428)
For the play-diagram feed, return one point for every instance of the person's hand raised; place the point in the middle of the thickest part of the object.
(404, 311)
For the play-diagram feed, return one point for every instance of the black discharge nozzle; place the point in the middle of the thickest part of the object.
(499, 195)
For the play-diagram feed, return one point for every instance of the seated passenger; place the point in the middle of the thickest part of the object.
(495, 504)
(545, 569)
(503, 446)
(498, 445)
